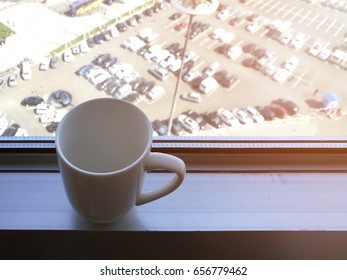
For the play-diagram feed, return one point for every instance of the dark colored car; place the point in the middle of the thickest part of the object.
(32, 101)
(98, 39)
(11, 131)
(249, 48)
(228, 81)
(160, 127)
(267, 113)
(112, 89)
(214, 119)
(291, 107)
(52, 127)
(99, 60)
(61, 97)
(175, 16)
(90, 42)
(249, 62)
(176, 128)
(223, 49)
(145, 87)
(235, 21)
(121, 27)
(280, 112)
(54, 61)
(220, 75)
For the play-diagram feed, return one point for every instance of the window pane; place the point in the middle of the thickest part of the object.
(250, 68)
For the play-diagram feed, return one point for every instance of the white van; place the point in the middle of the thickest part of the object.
(234, 52)
(159, 72)
(26, 70)
(208, 84)
(210, 70)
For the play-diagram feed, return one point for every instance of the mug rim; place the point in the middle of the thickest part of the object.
(61, 155)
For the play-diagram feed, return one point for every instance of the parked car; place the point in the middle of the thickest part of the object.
(280, 112)
(31, 101)
(188, 123)
(228, 117)
(191, 96)
(61, 97)
(12, 79)
(160, 127)
(254, 114)
(11, 130)
(2, 82)
(67, 55)
(266, 112)
(243, 117)
(54, 61)
(44, 65)
(291, 107)
(52, 127)
(156, 92)
(199, 118)
(291, 63)
(214, 119)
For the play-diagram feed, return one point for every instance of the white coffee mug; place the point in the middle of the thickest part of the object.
(104, 149)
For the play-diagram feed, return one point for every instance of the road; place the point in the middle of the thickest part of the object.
(252, 89)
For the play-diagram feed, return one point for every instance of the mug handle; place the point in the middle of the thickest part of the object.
(155, 161)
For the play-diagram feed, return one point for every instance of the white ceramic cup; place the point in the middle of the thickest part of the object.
(103, 149)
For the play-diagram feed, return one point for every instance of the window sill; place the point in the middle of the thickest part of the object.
(261, 204)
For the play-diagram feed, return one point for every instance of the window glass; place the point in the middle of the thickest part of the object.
(245, 68)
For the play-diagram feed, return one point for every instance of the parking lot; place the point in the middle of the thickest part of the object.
(251, 86)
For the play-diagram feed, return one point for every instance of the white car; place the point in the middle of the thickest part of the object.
(223, 14)
(192, 96)
(44, 65)
(67, 55)
(3, 125)
(243, 117)
(281, 75)
(234, 52)
(286, 38)
(191, 75)
(227, 37)
(253, 26)
(325, 53)
(44, 108)
(84, 47)
(315, 49)
(188, 123)
(156, 92)
(228, 117)
(298, 41)
(190, 55)
(12, 80)
(217, 33)
(269, 70)
(254, 114)
(291, 64)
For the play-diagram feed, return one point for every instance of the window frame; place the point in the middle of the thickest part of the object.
(226, 154)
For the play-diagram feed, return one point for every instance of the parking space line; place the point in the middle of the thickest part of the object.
(274, 6)
(330, 25)
(296, 14)
(266, 4)
(204, 41)
(289, 11)
(312, 20)
(304, 17)
(321, 23)
(281, 9)
(299, 79)
(339, 29)
(210, 46)
(257, 3)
